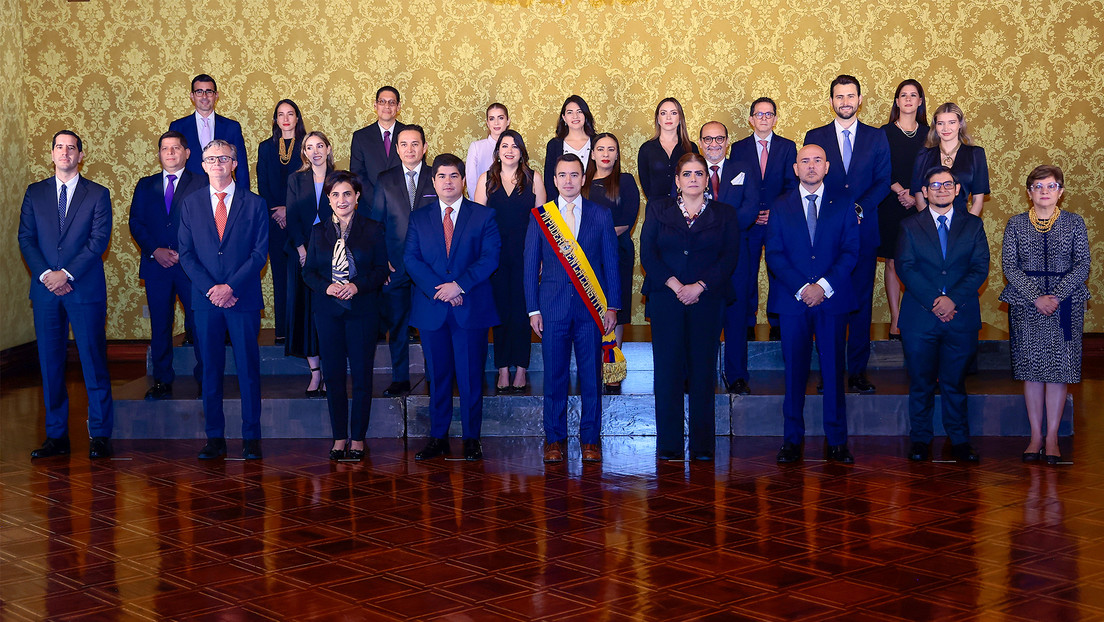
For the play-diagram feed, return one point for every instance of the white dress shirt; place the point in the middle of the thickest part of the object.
(455, 210)
(759, 146)
(839, 135)
(70, 188)
(229, 190)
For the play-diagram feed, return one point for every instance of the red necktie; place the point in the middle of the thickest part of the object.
(715, 181)
(220, 214)
(447, 223)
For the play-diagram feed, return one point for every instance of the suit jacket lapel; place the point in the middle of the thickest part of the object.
(927, 225)
(957, 223)
(462, 219)
(79, 194)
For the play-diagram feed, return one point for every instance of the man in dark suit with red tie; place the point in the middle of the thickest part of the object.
(452, 248)
(373, 148)
(772, 157)
(399, 191)
(64, 229)
(812, 244)
(154, 224)
(205, 125)
(859, 175)
(223, 248)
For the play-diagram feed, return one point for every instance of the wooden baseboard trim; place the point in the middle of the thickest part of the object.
(24, 358)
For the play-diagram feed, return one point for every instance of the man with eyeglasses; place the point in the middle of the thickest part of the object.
(374, 147)
(223, 245)
(205, 125)
(772, 158)
(860, 175)
(942, 260)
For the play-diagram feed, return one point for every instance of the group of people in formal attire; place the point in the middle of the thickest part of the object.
(455, 249)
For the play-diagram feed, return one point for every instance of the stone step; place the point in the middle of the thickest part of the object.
(996, 409)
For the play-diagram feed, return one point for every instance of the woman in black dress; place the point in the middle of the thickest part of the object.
(345, 267)
(307, 204)
(689, 247)
(949, 145)
(511, 189)
(906, 131)
(574, 134)
(657, 157)
(606, 185)
(277, 157)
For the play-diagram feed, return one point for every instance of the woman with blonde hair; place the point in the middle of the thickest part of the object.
(950, 145)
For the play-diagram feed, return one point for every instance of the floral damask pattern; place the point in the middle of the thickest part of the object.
(1028, 77)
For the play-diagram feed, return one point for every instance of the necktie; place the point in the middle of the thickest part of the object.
(387, 142)
(411, 188)
(206, 138)
(763, 159)
(811, 216)
(715, 181)
(846, 150)
(447, 224)
(220, 214)
(169, 190)
(62, 200)
(569, 217)
(943, 235)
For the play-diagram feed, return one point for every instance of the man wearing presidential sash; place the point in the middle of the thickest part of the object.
(570, 274)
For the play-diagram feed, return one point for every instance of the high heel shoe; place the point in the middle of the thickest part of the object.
(319, 392)
(1033, 456)
(337, 454)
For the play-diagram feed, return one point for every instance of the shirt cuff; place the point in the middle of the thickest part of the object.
(828, 291)
(532, 313)
(800, 291)
(42, 277)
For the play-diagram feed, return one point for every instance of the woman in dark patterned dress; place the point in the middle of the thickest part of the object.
(1046, 262)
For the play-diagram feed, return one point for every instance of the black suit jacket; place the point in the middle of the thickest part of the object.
(302, 208)
(367, 158)
(365, 244)
(926, 274)
(151, 226)
(708, 251)
(391, 206)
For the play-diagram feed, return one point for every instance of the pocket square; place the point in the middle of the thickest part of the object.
(738, 180)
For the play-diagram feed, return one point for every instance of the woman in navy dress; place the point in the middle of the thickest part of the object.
(949, 145)
(657, 157)
(574, 134)
(511, 189)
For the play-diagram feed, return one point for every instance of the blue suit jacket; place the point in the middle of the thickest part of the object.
(237, 259)
(548, 288)
(80, 245)
(793, 262)
(225, 129)
(391, 208)
(471, 261)
(780, 178)
(867, 181)
(151, 226)
(926, 274)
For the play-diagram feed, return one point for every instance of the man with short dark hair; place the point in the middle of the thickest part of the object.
(373, 147)
(205, 125)
(64, 230)
(223, 247)
(943, 260)
(154, 224)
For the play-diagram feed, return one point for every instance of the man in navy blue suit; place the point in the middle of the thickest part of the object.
(452, 248)
(942, 259)
(812, 245)
(223, 245)
(204, 125)
(373, 148)
(399, 191)
(730, 182)
(562, 319)
(772, 157)
(860, 176)
(64, 229)
(154, 224)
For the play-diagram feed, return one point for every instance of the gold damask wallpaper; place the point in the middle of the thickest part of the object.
(117, 71)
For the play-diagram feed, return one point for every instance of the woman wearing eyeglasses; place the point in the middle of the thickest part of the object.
(574, 134)
(1046, 263)
(689, 246)
(657, 157)
(948, 144)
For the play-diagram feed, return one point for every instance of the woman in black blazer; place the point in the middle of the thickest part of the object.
(574, 134)
(346, 266)
(689, 247)
(657, 157)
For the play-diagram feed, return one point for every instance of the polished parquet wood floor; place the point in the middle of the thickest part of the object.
(156, 534)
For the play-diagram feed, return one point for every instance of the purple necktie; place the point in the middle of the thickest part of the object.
(387, 142)
(169, 193)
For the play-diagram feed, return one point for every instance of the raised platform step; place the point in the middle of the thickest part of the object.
(996, 409)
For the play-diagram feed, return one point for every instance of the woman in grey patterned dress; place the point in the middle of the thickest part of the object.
(1046, 262)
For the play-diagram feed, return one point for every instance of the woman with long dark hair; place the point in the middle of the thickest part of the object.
(657, 157)
(574, 134)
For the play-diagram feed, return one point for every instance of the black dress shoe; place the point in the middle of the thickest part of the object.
(52, 447)
(473, 450)
(337, 454)
(214, 448)
(963, 452)
(1034, 456)
(788, 453)
(775, 334)
(435, 447)
(612, 389)
(251, 449)
(859, 383)
(895, 336)
(1052, 460)
(667, 456)
(100, 447)
(701, 456)
(412, 335)
(738, 387)
(840, 454)
(159, 391)
(279, 340)
(919, 452)
(397, 389)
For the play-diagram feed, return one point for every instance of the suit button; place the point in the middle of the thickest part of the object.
(944, 272)
(220, 252)
(814, 257)
(685, 252)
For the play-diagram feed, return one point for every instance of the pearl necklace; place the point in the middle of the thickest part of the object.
(907, 133)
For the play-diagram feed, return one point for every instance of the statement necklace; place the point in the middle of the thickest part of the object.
(1043, 225)
(949, 158)
(907, 133)
(285, 150)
